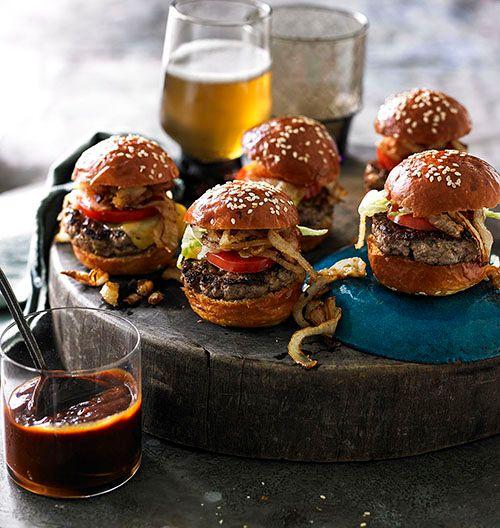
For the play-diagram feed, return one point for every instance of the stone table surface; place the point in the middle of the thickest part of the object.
(72, 69)
(181, 488)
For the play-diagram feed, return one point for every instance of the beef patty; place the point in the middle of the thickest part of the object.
(374, 176)
(203, 277)
(95, 237)
(317, 212)
(431, 247)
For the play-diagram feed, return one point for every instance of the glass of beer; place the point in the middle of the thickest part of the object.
(216, 81)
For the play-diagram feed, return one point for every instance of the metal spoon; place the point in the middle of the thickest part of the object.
(22, 324)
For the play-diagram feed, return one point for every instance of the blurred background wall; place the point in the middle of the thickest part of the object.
(70, 68)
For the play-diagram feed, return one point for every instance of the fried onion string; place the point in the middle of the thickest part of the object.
(316, 316)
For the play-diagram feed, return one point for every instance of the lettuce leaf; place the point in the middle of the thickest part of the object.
(373, 202)
(308, 231)
(492, 214)
(191, 244)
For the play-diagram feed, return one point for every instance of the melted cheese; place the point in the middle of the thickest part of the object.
(141, 231)
(181, 211)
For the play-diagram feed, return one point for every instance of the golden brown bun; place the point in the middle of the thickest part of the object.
(242, 204)
(438, 181)
(125, 161)
(146, 262)
(297, 149)
(426, 117)
(269, 310)
(409, 276)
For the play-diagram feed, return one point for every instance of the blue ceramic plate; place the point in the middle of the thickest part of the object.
(461, 327)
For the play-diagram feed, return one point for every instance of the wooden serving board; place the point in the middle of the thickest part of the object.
(236, 391)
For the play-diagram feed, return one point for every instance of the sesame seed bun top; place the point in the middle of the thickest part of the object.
(298, 150)
(243, 205)
(125, 161)
(423, 116)
(439, 181)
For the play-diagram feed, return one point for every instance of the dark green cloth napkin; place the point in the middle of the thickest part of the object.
(59, 184)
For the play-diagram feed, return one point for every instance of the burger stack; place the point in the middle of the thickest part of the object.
(120, 217)
(240, 259)
(428, 224)
(240, 255)
(298, 156)
(414, 121)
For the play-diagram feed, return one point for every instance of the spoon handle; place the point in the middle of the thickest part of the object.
(22, 324)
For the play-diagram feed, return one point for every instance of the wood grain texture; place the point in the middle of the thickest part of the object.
(236, 391)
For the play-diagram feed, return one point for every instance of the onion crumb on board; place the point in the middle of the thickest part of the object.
(110, 293)
(94, 277)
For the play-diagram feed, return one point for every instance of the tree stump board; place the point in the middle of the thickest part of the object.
(236, 391)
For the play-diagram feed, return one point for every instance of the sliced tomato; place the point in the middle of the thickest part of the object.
(241, 174)
(252, 171)
(117, 216)
(233, 262)
(385, 160)
(413, 222)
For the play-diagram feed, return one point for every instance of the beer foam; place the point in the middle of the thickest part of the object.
(218, 61)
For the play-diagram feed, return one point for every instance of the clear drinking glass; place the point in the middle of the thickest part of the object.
(216, 80)
(318, 60)
(74, 429)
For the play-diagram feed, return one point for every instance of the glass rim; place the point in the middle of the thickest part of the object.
(264, 13)
(359, 17)
(107, 366)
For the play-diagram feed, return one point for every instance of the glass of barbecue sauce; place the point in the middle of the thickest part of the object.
(73, 430)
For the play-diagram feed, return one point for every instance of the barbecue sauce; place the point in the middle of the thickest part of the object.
(73, 436)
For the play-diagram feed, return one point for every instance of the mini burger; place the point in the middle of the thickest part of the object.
(298, 156)
(240, 258)
(120, 217)
(428, 232)
(411, 122)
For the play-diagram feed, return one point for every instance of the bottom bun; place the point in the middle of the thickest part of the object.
(269, 310)
(409, 276)
(140, 264)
